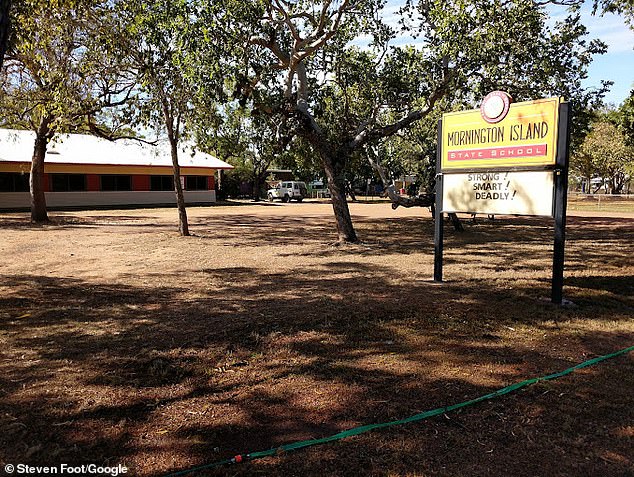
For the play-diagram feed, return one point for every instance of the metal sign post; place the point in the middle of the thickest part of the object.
(561, 197)
(438, 213)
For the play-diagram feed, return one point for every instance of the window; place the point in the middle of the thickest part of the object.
(68, 182)
(14, 182)
(161, 183)
(110, 183)
(196, 182)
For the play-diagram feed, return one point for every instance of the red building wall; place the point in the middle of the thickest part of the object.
(141, 182)
(92, 182)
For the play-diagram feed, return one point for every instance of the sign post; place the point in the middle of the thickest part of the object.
(438, 213)
(509, 159)
(561, 198)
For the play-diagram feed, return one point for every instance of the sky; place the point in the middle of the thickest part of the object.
(617, 65)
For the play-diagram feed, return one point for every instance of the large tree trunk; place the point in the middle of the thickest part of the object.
(183, 225)
(36, 182)
(336, 186)
(5, 6)
(333, 169)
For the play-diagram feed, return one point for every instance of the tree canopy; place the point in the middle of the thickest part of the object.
(605, 155)
(332, 71)
(624, 119)
(340, 78)
(58, 78)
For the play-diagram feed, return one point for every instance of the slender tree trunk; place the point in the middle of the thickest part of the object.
(183, 225)
(337, 188)
(220, 193)
(350, 191)
(5, 6)
(257, 181)
(455, 221)
(36, 183)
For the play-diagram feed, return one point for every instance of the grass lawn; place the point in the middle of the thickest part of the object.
(121, 342)
(601, 203)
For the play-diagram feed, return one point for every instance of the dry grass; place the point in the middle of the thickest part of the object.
(601, 203)
(122, 342)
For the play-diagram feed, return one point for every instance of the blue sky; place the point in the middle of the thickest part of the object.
(617, 65)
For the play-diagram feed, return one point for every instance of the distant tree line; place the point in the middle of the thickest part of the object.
(604, 160)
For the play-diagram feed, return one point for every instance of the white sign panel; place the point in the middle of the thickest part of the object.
(500, 193)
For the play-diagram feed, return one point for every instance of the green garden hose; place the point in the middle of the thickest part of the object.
(416, 417)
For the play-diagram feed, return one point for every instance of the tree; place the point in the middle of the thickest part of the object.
(163, 37)
(624, 119)
(269, 142)
(5, 7)
(153, 43)
(57, 79)
(340, 98)
(604, 154)
(411, 151)
(251, 143)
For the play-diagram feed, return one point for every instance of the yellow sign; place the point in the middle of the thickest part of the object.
(525, 136)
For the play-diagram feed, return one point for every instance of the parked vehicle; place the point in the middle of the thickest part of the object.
(318, 190)
(287, 191)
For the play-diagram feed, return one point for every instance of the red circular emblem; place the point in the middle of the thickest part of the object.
(495, 106)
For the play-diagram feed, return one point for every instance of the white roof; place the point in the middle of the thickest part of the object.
(17, 146)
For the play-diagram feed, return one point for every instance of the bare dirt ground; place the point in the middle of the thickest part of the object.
(121, 342)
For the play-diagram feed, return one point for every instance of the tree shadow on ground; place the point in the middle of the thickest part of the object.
(164, 377)
(255, 364)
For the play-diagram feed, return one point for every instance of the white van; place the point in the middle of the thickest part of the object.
(287, 191)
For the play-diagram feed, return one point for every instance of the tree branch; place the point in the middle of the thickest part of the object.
(367, 135)
(104, 134)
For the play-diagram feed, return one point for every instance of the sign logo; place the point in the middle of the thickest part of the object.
(495, 106)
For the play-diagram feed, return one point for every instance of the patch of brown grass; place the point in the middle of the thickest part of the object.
(601, 203)
(125, 343)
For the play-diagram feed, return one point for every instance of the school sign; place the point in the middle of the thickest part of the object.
(525, 136)
(485, 150)
(505, 159)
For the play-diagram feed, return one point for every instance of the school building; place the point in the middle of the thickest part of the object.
(86, 171)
